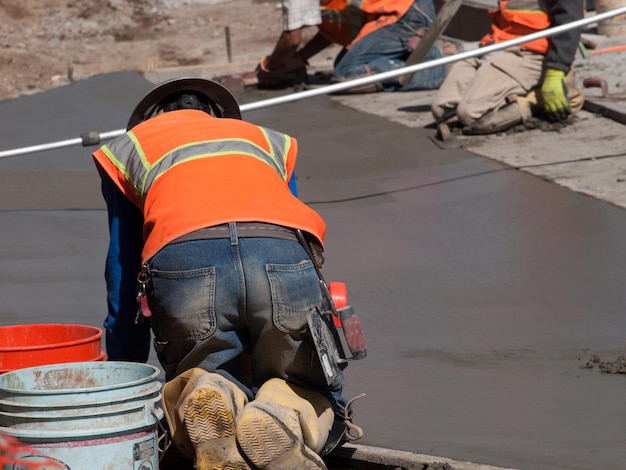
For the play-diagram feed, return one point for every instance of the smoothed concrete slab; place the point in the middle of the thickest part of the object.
(483, 290)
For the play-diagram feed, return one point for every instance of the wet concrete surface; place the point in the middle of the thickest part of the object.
(483, 290)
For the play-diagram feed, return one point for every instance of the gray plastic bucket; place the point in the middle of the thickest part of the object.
(88, 415)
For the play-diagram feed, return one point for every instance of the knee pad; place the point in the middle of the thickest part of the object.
(315, 413)
(176, 393)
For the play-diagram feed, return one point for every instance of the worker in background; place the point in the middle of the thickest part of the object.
(377, 36)
(279, 68)
(499, 90)
(204, 251)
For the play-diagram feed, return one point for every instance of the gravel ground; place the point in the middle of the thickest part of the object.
(45, 42)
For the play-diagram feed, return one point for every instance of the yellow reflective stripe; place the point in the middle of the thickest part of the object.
(530, 12)
(215, 148)
(128, 156)
(279, 148)
(143, 169)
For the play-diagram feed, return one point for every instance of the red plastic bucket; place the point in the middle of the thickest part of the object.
(42, 344)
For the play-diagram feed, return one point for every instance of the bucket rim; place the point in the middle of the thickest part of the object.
(99, 358)
(98, 332)
(30, 436)
(154, 374)
(92, 400)
(43, 413)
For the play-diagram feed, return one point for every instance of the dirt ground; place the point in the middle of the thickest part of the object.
(46, 42)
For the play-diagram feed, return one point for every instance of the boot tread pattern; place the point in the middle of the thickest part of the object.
(266, 441)
(208, 416)
(263, 439)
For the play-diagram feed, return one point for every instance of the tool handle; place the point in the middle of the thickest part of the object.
(596, 82)
(339, 295)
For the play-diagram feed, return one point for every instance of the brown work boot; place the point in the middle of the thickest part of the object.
(210, 413)
(271, 438)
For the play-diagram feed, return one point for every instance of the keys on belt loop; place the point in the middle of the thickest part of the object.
(143, 310)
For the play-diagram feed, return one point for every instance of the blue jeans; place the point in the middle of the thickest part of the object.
(214, 299)
(388, 49)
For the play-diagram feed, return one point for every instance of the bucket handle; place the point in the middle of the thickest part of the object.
(163, 441)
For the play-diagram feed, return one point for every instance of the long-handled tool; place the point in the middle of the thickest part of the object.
(348, 84)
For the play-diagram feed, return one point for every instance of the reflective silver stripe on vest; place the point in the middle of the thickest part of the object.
(528, 5)
(127, 155)
(352, 16)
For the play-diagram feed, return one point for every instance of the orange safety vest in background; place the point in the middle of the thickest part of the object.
(515, 18)
(186, 170)
(344, 22)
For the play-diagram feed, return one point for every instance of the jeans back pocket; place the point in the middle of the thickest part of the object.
(183, 304)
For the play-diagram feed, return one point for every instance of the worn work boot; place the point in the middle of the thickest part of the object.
(357, 90)
(285, 427)
(499, 120)
(207, 410)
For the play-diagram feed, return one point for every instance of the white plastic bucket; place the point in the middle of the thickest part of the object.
(88, 415)
(615, 26)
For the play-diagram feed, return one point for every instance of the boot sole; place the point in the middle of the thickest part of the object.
(268, 443)
(211, 429)
(208, 417)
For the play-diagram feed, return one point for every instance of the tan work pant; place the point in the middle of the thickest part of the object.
(478, 86)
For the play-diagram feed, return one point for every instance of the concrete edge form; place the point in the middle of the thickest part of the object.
(368, 457)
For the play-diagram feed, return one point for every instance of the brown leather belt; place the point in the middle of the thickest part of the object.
(244, 230)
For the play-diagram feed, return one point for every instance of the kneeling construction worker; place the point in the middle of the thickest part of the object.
(501, 89)
(206, 236)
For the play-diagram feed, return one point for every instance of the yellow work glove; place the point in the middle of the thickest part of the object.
(554, 94)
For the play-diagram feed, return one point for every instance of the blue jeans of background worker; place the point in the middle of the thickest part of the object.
(211, 301)
(388, 49)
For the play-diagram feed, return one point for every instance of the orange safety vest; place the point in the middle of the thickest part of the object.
(186, 170)
(345, 22)
(515, 18)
